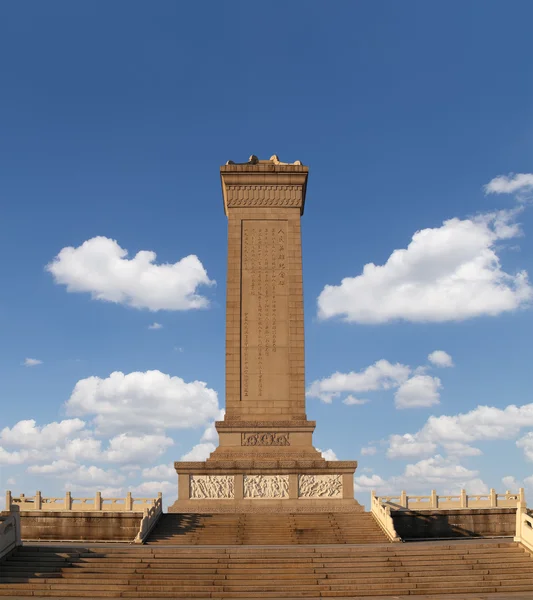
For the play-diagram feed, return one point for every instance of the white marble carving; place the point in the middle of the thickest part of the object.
(266, 486)
(320, 486)
(212, 486)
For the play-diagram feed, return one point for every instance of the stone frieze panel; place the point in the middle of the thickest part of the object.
(266, 486)
(212, 487)
(320, 486)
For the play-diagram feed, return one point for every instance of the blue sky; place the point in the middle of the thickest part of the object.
(115, 118)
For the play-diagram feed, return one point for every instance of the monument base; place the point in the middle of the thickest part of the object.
(265, 485)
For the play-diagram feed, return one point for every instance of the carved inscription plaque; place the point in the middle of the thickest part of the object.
(265, 439)
(264, 311)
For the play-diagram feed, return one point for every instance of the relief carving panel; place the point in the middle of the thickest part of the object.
(266, 486)
(264, 195)
(265, 438)
(212, 486)
(320, 486)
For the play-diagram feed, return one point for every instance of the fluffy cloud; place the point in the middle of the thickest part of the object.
(368, 451)
(420, 477)
(126, 448)
(32, 362)
(514, 183)
(149, 400)
(447, 273)
(56, 467)
(438, 470)
(25, 434)
(382, 375)
(328, 454)
(407, 446)
(91, 476)
(199, 452)
(418, 391)
(526, 444)
(155, 325)
(160, 472)
(353, 401)
(456, 432)
(101, 267)
(439, 358)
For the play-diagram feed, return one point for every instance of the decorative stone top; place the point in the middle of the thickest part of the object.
(253, 160)
(264, 184)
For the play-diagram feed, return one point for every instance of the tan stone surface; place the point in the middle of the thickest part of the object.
(265, 432)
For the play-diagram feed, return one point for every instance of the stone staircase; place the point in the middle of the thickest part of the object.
(265, 529)
(121, 571)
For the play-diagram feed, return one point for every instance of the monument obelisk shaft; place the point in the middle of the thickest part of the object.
(264, 319)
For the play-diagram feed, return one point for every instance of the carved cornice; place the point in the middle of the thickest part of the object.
(256, 196)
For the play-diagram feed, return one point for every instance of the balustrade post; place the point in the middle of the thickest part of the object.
(68, 501)
(129, 502)
(98, 501)
(403, 499)
(521, 498)
(8, 500)
(38, 501)
(464, 499)
(492, 496)
(434, 500)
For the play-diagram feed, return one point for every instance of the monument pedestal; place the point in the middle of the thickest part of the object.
(265, 460)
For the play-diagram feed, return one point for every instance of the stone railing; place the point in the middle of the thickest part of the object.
(150, 518)
(463, 500)
(382, 514)
(97, 503)
(524, 526)
(9, 532)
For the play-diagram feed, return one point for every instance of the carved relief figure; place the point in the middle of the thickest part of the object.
(266, 486)
(320, 486)
(212, 486)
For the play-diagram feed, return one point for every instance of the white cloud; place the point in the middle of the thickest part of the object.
(328, 454)
(510, 184)
(82, 449)
(417, 392)
(447, 273)
(149, 400)
(11, 481)
(369, 451)
(57, 466)
(439, 358)
(101, 267)
(125, 448)
(382, 375)
(437, 470)
(150, 489)
(13, 458)
(199, 452)
(155, 325)
(32, 362)
(511, 483)
(407, 446)
(456, 432)
(160, 472)
(526, 444)
(93, 475)
(25, 434)
(353, 401)
(365, 483)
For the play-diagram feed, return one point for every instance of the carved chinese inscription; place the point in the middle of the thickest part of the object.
(264, 311)
(265, 439)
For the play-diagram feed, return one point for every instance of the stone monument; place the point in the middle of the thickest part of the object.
(265, 460)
